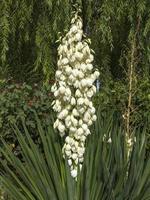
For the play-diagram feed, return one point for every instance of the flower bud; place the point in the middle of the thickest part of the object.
(61, 128)
(74, 173)
(73, 101)
(78, 37)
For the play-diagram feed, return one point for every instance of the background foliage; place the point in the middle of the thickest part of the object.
(20, 100)
(28, 48)
(29, 30)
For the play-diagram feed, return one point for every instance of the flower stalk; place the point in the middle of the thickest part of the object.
(73, 92)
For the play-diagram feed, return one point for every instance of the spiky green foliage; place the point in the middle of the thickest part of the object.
(107, 173)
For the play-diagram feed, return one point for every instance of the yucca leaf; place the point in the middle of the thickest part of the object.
(107, 173)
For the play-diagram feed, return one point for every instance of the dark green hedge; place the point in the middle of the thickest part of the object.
(18, 100)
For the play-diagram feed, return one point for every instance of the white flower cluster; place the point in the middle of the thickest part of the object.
(130, 140)
(73, 91)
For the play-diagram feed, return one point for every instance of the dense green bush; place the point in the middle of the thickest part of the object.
(18, 100)
(114, 95)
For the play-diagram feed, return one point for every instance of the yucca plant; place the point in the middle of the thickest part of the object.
(107, 173)
(41, 172)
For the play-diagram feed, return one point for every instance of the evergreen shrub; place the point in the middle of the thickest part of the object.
(18, 100)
